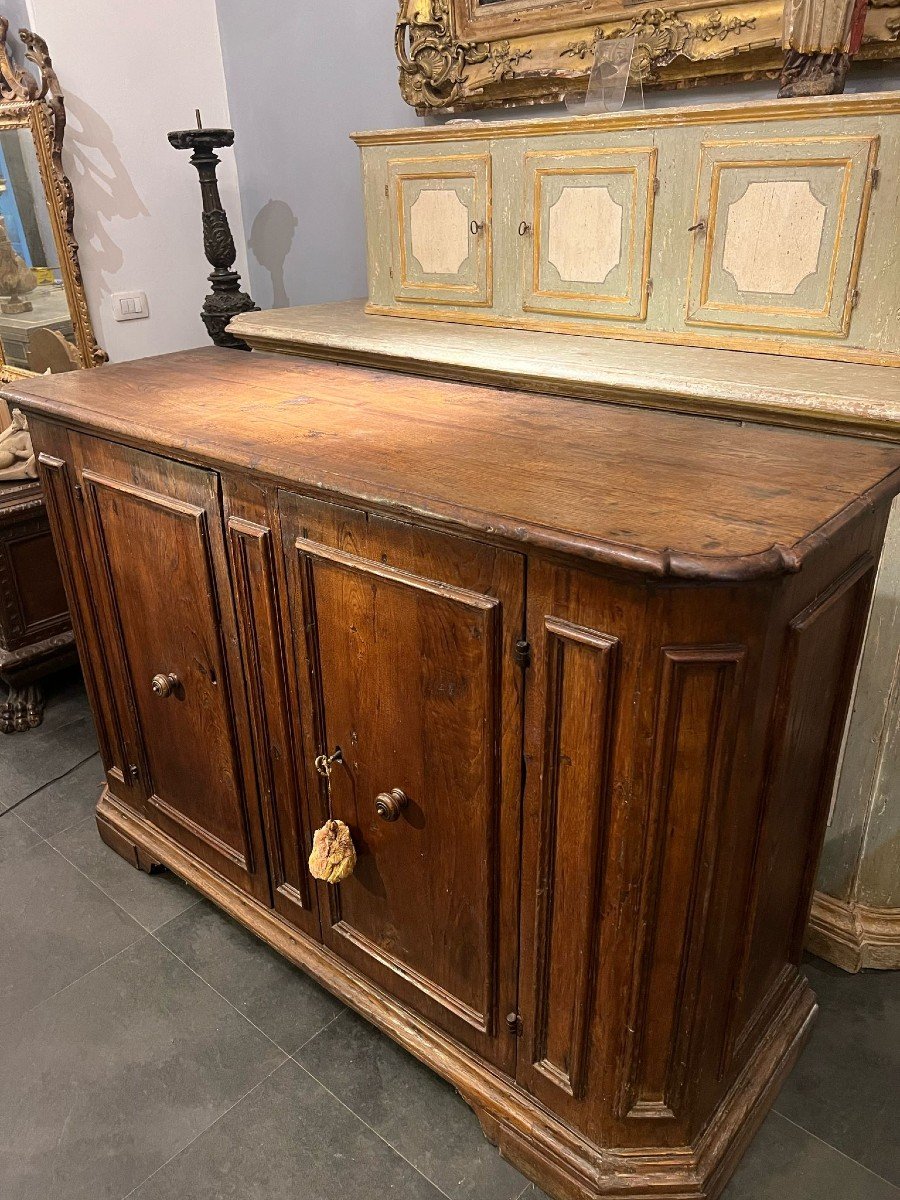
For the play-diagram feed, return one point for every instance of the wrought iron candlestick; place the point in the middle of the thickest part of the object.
(226, 299)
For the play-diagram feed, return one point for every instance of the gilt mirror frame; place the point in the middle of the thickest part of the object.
(36, 105)
(458, 55)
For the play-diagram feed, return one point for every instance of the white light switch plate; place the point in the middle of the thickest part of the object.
(129, 306)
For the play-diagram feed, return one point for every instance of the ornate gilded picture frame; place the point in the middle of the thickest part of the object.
(42, 297)
(458, 55)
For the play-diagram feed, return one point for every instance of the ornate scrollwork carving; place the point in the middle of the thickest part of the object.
(460, 55)
(40, 100)
(218, 244)
(661, 37)
(432, 62)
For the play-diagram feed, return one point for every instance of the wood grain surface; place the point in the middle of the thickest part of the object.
(655, 492)
(843, 397)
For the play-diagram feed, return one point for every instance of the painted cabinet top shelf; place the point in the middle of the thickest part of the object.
(761, 227)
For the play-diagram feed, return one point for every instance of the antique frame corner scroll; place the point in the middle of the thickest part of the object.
(458, 55)
(35, 105)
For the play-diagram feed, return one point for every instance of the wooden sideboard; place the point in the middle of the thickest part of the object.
(605, 653)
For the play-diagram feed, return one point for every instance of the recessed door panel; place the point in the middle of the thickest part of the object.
(778, 230)
(442, 229)
(411, 674)
(586, 241)
(159, 557)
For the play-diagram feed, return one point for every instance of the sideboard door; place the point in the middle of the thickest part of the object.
(405, 642)
(586, 232)
(160, 573)
(442, 251)
(777, 233)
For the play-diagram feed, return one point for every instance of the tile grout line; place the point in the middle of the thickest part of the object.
(212, 1125)
(103, 892)
(327, 1025)
(371, 1129)
(37, 791)
(836, 1149)
(80, 821)
(205, 981)
(73, 982)
(114, 901)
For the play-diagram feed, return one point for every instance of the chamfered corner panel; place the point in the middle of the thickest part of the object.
(586, 241)
(778, 233)
(697, 710)
(442, 229)
(582, 668)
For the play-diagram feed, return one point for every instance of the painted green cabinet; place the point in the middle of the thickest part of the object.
(766, 226)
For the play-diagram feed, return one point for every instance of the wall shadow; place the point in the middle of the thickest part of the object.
(101, 184)
(271, 238)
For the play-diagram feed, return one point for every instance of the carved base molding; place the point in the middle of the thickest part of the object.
(854, 936)
(560, 1160)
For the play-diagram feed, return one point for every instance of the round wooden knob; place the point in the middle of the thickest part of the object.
(389, 805)
(164, 685)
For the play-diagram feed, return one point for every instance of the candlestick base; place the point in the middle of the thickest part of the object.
(219, 307)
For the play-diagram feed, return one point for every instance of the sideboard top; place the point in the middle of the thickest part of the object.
(661, 493)
(795, 109)
(835, 396)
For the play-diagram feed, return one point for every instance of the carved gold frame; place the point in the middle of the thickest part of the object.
(36, 104)
(458, 55)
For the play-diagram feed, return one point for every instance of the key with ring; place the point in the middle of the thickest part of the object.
(324, 761)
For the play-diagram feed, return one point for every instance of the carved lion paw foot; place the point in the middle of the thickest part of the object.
(22, 710)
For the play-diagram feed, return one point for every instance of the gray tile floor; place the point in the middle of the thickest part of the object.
(153, 1049)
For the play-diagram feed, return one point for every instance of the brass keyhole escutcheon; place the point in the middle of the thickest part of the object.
(164, 685)
(389, 805)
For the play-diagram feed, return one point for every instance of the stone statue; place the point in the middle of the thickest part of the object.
(16, 451)
(820, 38)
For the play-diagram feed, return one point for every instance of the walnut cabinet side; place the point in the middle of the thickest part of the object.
(590, 915)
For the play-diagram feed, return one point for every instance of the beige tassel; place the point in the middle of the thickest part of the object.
(333, 853)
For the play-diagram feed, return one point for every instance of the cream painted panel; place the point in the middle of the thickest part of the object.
(584, 245)
(773, 236)
(585, 234)
(778, 228)
(439, 213)
(439, 232)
